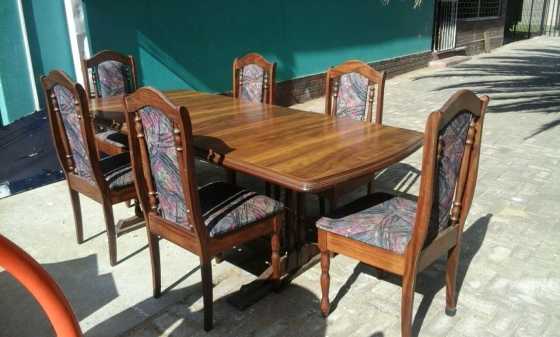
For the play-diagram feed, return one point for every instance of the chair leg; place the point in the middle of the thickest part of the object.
(138, 209)
(407, 301)
(451, 280)
(275, 247)
(75, 200)
(111, 233)
(206, 269)
(325, 277)
(153, 243)
(370, 187)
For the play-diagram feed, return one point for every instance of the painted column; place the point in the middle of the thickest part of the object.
(17, 92)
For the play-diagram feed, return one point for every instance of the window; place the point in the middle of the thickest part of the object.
(468, 9)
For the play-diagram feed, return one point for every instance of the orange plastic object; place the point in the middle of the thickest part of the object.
(39, 283)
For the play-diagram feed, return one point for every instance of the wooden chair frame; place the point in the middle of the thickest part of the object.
(99, 192)
(374, 77)
(100, 57)
(196, 241)
(331, 86)
(269, 69)
(87, 64)
(419, 253)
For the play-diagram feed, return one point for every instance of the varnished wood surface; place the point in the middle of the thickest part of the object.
(300, 150)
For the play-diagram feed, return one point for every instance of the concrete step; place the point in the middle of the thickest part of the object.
(448, 61)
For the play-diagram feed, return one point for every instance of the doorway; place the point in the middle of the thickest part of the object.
(446, 25)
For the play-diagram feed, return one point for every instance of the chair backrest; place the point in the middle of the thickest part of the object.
(450, 164)
(72, 127)
(109, 73)
(254, 78)
(353, 88)
(160, 141)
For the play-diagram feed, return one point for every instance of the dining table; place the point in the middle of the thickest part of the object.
(299, 151)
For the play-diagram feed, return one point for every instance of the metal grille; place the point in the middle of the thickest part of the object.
(447, 25)
(469, 9)
(552, 18)
(526, 18)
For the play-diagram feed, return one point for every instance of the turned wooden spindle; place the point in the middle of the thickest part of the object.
(152, 193)
(463, 173)
(67, 151)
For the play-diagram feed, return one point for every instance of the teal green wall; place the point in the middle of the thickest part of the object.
(49, 44)
(49, 48)
(187, 43)
(16, 95)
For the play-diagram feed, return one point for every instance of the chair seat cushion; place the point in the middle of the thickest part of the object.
(380, 220)
(113, 138)
(226, 207)
(117, 171)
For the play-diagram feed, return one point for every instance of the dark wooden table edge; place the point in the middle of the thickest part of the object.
(316, 186)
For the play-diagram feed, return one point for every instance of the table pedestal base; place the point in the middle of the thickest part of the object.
(292, 265)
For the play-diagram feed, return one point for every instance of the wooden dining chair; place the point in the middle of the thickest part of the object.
(353, 90)
(109, 73)
(402, 236)
(108, 180)
(254, 80)
(205, 221)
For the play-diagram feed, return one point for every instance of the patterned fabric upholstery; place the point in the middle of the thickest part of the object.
(117, 171)
(386, 221)
(72, 128)
(113, 78)
(226, 207)
(158, 130)
(352, 93)
(114, 138)
(252, 83)
(452, 139)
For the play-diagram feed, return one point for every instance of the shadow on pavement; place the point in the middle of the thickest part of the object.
(430, 281)
(528, 82)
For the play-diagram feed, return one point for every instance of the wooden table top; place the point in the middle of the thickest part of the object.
(303, 151)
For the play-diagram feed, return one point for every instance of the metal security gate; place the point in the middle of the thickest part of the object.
(552, 18)
(446, 25)
(527, 18)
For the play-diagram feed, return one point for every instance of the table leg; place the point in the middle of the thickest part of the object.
(300, 255)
